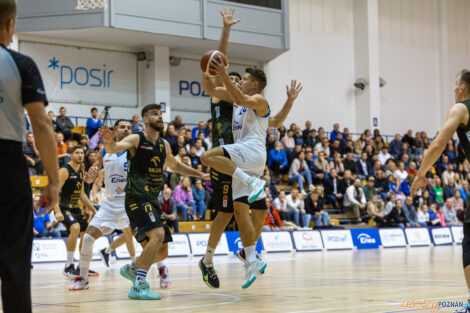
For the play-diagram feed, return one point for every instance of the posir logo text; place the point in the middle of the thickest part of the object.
(99, 77)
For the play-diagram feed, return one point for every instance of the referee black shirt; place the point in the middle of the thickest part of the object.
(20, 84)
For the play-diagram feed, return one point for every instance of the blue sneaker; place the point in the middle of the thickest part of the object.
(128, 273)
(141, 291)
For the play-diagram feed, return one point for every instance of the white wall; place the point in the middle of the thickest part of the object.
(322, 58)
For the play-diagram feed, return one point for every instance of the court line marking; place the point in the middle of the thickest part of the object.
(370, 305)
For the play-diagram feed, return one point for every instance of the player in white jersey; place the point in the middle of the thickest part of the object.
(112, 214)
(245, 159)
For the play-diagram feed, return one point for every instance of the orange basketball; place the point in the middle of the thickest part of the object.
(207, 58)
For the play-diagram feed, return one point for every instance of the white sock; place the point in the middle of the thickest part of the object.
(108, 250)
(69, 258)
(241, 175)
(85, 255)
(208, 256)
(250, 253)
(161, 264)
(132, 259)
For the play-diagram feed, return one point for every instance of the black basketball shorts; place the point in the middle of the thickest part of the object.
(73, 216)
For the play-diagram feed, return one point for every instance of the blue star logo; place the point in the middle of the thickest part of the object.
(53, 63)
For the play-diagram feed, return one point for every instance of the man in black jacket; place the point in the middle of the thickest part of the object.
(64, 125)
(363, 167)
(335, 187)
(350, 163)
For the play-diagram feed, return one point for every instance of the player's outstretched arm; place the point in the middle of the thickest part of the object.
(112, 146)
(63, 176)
(86, 202)
(454, 118)
(211, 89)
(293, 91)
(179, 167)
(256, 102)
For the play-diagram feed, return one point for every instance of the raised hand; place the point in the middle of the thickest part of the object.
(106, 133)
(294, 90)
(418, 183)
(228, 17)
(218, 67)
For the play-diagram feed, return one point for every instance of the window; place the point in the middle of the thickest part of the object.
(273, 4)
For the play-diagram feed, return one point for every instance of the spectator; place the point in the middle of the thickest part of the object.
(311, 140)
(65, 126)
(397, 217)
(381, 185)
(410, 213)
(363, 167)
(295, 209)
(395, 146)
(42, 226)
(334, 132)
(449, 190)
(195, 159)
(375, 209)
(84, 142)
(270, 142)
(199, 147)
(423, 216)
(391, 168)
(280, 205)
(441, 216)
(400, 172)
(443, 165)
(323, 146)
(62, 150)
(188, 141)
(457, 204)
(412, 169)
(199, 199)
(384, 156)
(408, 138)
(438, 191)
(360, 144)
(289, 144)
(317, 174)
(90, 159)
(272, 190)
(446, 175)
(335, 188)
(183, 196)
(137, 127)
(465, 192)
(369, 189)
(277, 160)
(178, 124)
(350, 163)
(337, 163)
(450, 215)
(181, 153)
(298, 137)
(93, 123)
(299, 172)
(208, 139)
(273, 220)
(355, 200)
(457, 181)
(200, 128)
(314, 208)
(172, 139)
(31, 154)
(168, 207)
(322, 164)
(50, 114)
(306, 132)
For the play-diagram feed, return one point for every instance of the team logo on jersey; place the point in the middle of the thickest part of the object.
(146, 147)
(116, 179)
(161, 147)
(119, 190)
(243, 110)
(236, 125)
(217, 112)
(154, 160)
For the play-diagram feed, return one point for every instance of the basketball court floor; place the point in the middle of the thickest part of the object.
(334, 281)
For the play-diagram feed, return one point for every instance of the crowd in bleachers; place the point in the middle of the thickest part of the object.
(310, 173)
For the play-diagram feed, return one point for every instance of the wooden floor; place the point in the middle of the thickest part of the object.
(333, 281)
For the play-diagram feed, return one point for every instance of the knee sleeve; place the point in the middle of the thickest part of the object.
(87, 246)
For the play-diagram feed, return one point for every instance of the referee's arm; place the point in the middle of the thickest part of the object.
(47, 146)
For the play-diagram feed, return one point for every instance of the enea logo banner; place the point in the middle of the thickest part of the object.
(85, 76)
(367, 238)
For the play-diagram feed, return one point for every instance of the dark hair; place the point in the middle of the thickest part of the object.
(76, 148)
(259, 76)
(121, 120)
(60, 107)
(235, 74)
(152, 106)
(465, 78)
(7, 11)
(93, 109)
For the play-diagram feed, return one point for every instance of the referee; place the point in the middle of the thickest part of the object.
(20, 88)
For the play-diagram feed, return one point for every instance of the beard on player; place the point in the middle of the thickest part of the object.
(157, 126)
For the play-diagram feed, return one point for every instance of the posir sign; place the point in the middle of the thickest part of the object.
(199, 244)
(337, 239)
(83, 75)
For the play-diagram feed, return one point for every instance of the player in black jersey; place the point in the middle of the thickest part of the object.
(222, 113)
(68, 211)
(147, 153)
(458, 120)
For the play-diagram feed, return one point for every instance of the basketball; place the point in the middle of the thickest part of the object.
(207, 58)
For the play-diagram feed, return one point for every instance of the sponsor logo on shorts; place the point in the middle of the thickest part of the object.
(146, 148)
(152, 217)
(225, 201)
(71, 217)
